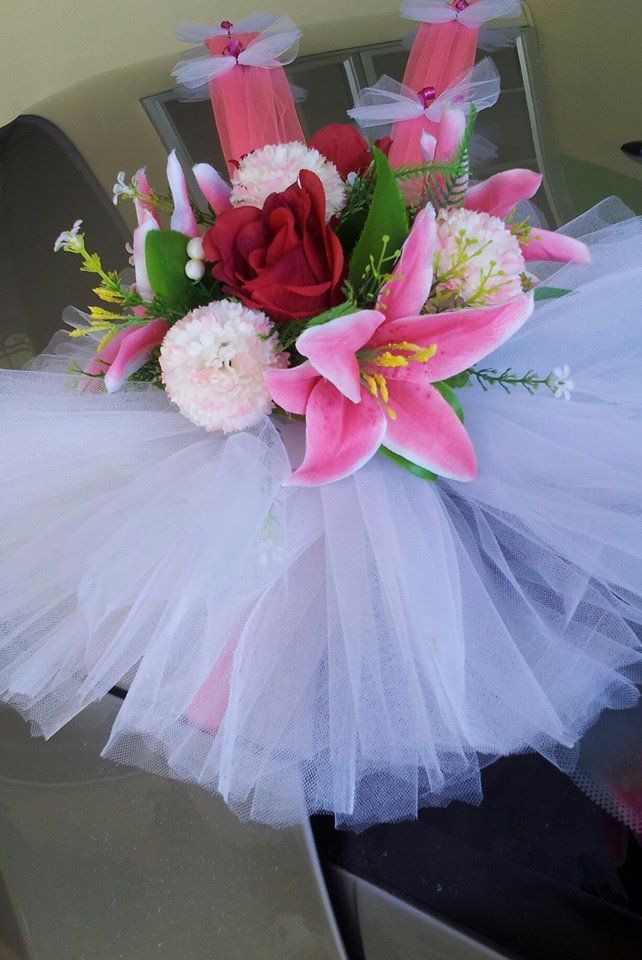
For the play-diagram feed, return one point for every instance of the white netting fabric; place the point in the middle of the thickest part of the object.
(362, 648)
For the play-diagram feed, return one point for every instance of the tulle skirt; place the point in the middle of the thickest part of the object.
(362, 648)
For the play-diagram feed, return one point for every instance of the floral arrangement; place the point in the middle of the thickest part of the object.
(324, 284)
(363, 648)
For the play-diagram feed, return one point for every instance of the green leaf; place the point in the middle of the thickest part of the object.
(386, 218)
(409, 465)
(450, 397)
(290, 333)
(342, 310)
(353, 216)
(165, 257)
(458, 381)
(549, 293)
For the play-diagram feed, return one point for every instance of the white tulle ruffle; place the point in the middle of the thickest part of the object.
(361, 648)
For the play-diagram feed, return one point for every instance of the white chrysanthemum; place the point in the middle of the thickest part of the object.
(213, 361)
(274, 168)
(477, 258)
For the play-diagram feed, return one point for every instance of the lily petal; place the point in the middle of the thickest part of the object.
(427, 146)
(331, 348)
(134, 350)
(428, 432)
(140, 264)
(105, 355)
(407, 292)
(144, 207)
(462, 337)
(500, 193)
(291, 388)
(340, 436)
(213, 187)
(183, 218)
(451, 130)
(546, 245)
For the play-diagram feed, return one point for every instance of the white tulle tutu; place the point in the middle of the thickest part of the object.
(361, 648)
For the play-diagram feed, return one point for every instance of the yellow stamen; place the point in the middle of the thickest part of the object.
(387, 359)
(425, 354)
(420, 354)
(372, 384)
(383, 386)
(404, 345)
(377, 383)
(377, 386)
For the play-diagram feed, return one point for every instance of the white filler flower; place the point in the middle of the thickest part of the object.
(562, 383)
(273, 169)
(213, 361)
(70, 240)
(122, 189)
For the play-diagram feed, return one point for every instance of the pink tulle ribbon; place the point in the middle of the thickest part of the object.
(251, 98)
(441, 52)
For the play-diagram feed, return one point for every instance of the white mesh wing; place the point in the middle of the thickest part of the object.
(486, 10)
(388, 101)
(428, 11)
(479, 87)
(278, 45)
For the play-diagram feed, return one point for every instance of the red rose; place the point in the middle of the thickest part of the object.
(384, 144)
(283, 259)
(343, 145)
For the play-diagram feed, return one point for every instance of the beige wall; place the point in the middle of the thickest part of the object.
(592, 67)
(66, 41)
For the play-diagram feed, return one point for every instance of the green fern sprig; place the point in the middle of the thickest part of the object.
(445, 184)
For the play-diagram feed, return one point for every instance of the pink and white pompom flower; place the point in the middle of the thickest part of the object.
(274, 168)
(478, 258)
(213, 363)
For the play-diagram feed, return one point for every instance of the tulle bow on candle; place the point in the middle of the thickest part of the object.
(274, 46)
(192, 32)
(392, 102)
(471, 15)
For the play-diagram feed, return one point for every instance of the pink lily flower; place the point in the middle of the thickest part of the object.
(213, 187)
(144, 208)
(215, 190)
(368, 377)
(148, 222)
(126, 353)
(182, 219)
(499, 195)
(449, 134)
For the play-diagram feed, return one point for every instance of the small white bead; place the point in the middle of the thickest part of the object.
(195, 249)
(195, 269)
